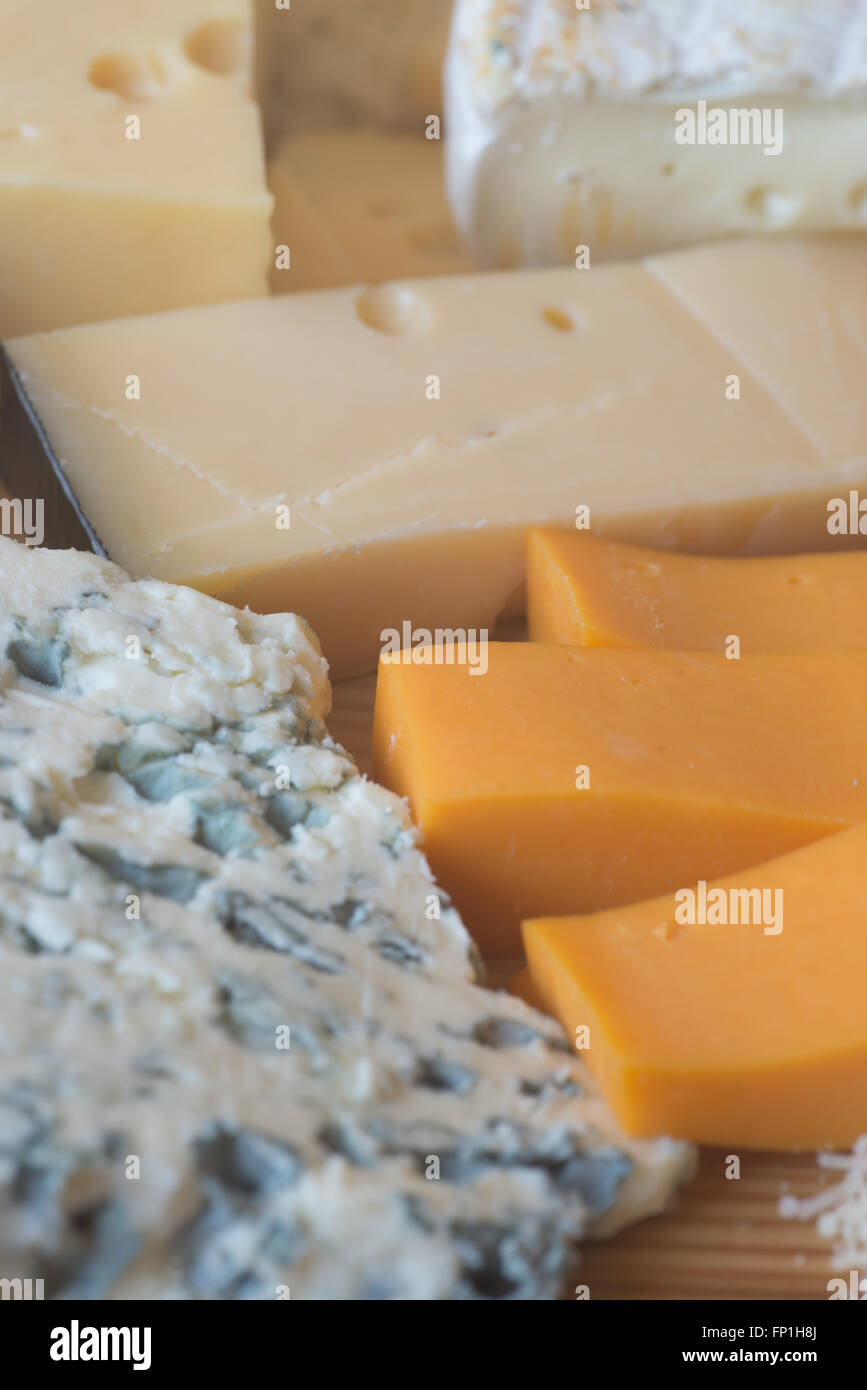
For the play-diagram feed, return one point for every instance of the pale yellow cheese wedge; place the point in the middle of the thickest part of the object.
(131, 168)
(415, 429)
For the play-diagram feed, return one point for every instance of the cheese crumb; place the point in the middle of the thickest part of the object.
(842, 1209)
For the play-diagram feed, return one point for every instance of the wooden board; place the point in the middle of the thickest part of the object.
(724, 1238)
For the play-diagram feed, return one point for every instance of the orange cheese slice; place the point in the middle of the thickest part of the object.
(744, 1035)
(565, 780)
(593, 593)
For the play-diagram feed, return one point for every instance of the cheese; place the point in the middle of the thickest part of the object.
(727, 1033)
(842, 1212)
(590, 593)
(329, 62)
(355, 205)
(415, 430)
(221, 953)
(641, 128)
(100, 216)
(568, 780)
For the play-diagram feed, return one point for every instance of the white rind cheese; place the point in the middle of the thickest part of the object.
(561, 123)
(662, 49)
(240, 1057)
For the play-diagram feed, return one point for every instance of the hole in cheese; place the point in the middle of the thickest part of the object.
(220, 46)
(772, 206)
(559, 319)
(394, 309)
(21, 131)
(129, 75)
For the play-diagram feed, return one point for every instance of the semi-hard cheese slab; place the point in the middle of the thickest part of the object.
(629, 129)
(393, 443)
(227, 973)
(360, 205)
(589, 593)
(131, 168)
(731, 1012)
(554, 779)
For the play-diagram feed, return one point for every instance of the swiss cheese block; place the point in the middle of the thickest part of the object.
(131, 168)
(590, 593)
(414, 430)
(355, 205)
(569, 780)
(641, 128)
(732, 1030)
(346, 62)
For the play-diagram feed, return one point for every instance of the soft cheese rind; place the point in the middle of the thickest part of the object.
(561, 123)
(189, 866)
(662, 49)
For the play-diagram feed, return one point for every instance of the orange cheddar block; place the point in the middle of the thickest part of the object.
(566, 780)
(593, 593)
(750, 1034)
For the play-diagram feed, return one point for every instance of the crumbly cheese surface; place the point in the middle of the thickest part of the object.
(661, 49)
(241, 1056)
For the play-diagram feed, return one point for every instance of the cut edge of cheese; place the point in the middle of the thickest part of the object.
(567, 779)
(744, 1031)
(132, 174)
(582, 591)
(417, 504)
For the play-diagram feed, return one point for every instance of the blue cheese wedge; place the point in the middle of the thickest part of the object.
(631, 129)
(244, 1051)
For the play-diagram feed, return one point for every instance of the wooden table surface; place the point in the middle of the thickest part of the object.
(724, 1238)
